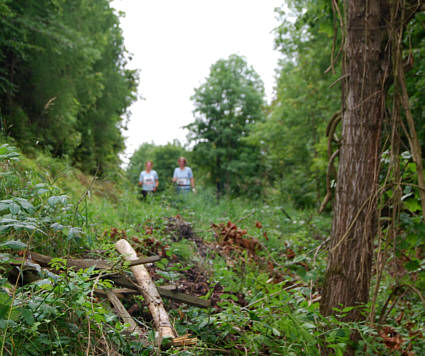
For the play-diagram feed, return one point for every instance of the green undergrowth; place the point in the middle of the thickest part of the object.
(265, 300)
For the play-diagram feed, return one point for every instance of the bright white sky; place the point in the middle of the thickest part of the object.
(174, 43)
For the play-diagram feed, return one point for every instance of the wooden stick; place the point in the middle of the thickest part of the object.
(123, 314)
(169, 291)
(117, 291)
(79, 263)
(82, 263)
(185, 298)
(144, 260)
(148, 289)
(164, 291)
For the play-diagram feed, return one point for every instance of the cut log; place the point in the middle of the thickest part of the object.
(79, 263)
(184, 298)
(144, 260)
(166, 291)
(117, 291)
(150, 293)
(122, 280)
(169, 291)
(82, 263)
(125, 316)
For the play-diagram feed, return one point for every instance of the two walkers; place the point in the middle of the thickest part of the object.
(182, 177)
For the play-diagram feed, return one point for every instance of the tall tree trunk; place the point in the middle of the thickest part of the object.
(365, 64)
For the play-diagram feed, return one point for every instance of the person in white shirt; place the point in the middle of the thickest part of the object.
(183, 176)
(148, 180)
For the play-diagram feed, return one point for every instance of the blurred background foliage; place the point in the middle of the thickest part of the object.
(64, 86)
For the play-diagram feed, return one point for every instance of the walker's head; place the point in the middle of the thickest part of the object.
(149, 165)
(182, 162)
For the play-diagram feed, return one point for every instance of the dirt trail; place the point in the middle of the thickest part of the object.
(231, 242)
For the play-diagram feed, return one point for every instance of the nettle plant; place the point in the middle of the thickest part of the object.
(31, 209)
(57, 312)
(54, 314)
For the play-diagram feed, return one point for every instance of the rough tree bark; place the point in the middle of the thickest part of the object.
(365, 66)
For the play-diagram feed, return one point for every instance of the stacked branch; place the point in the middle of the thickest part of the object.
(125, 316)
(140, 283)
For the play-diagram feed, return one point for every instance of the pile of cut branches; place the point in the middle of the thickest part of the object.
(129, 277)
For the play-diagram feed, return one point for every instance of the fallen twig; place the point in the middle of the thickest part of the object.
(124, 315)
(165, 291)
(144, 260)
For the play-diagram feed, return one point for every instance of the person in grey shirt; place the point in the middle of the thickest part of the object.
(148, 179)
(183, 177)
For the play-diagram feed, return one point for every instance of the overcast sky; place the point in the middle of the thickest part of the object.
(174, 43)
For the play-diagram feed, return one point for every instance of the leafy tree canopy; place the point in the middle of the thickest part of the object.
(227, 104)
(293, 135)
(64, 85)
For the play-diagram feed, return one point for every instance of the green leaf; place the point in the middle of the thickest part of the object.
(5, 301)
(14, 208)
(17, 226)
(309, 325)
(55, 200)
(42, 191)
(253, 316)
(13, 245)
(27, 315)
(411, 167)
(413, 240)
(25, 204)
(412, 265)
(57, 227)
(412, 205)
(6, 323)
(275, 332)
(341, 333)
(74, 232)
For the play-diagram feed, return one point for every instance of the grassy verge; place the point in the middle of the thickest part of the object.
(260, 263)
